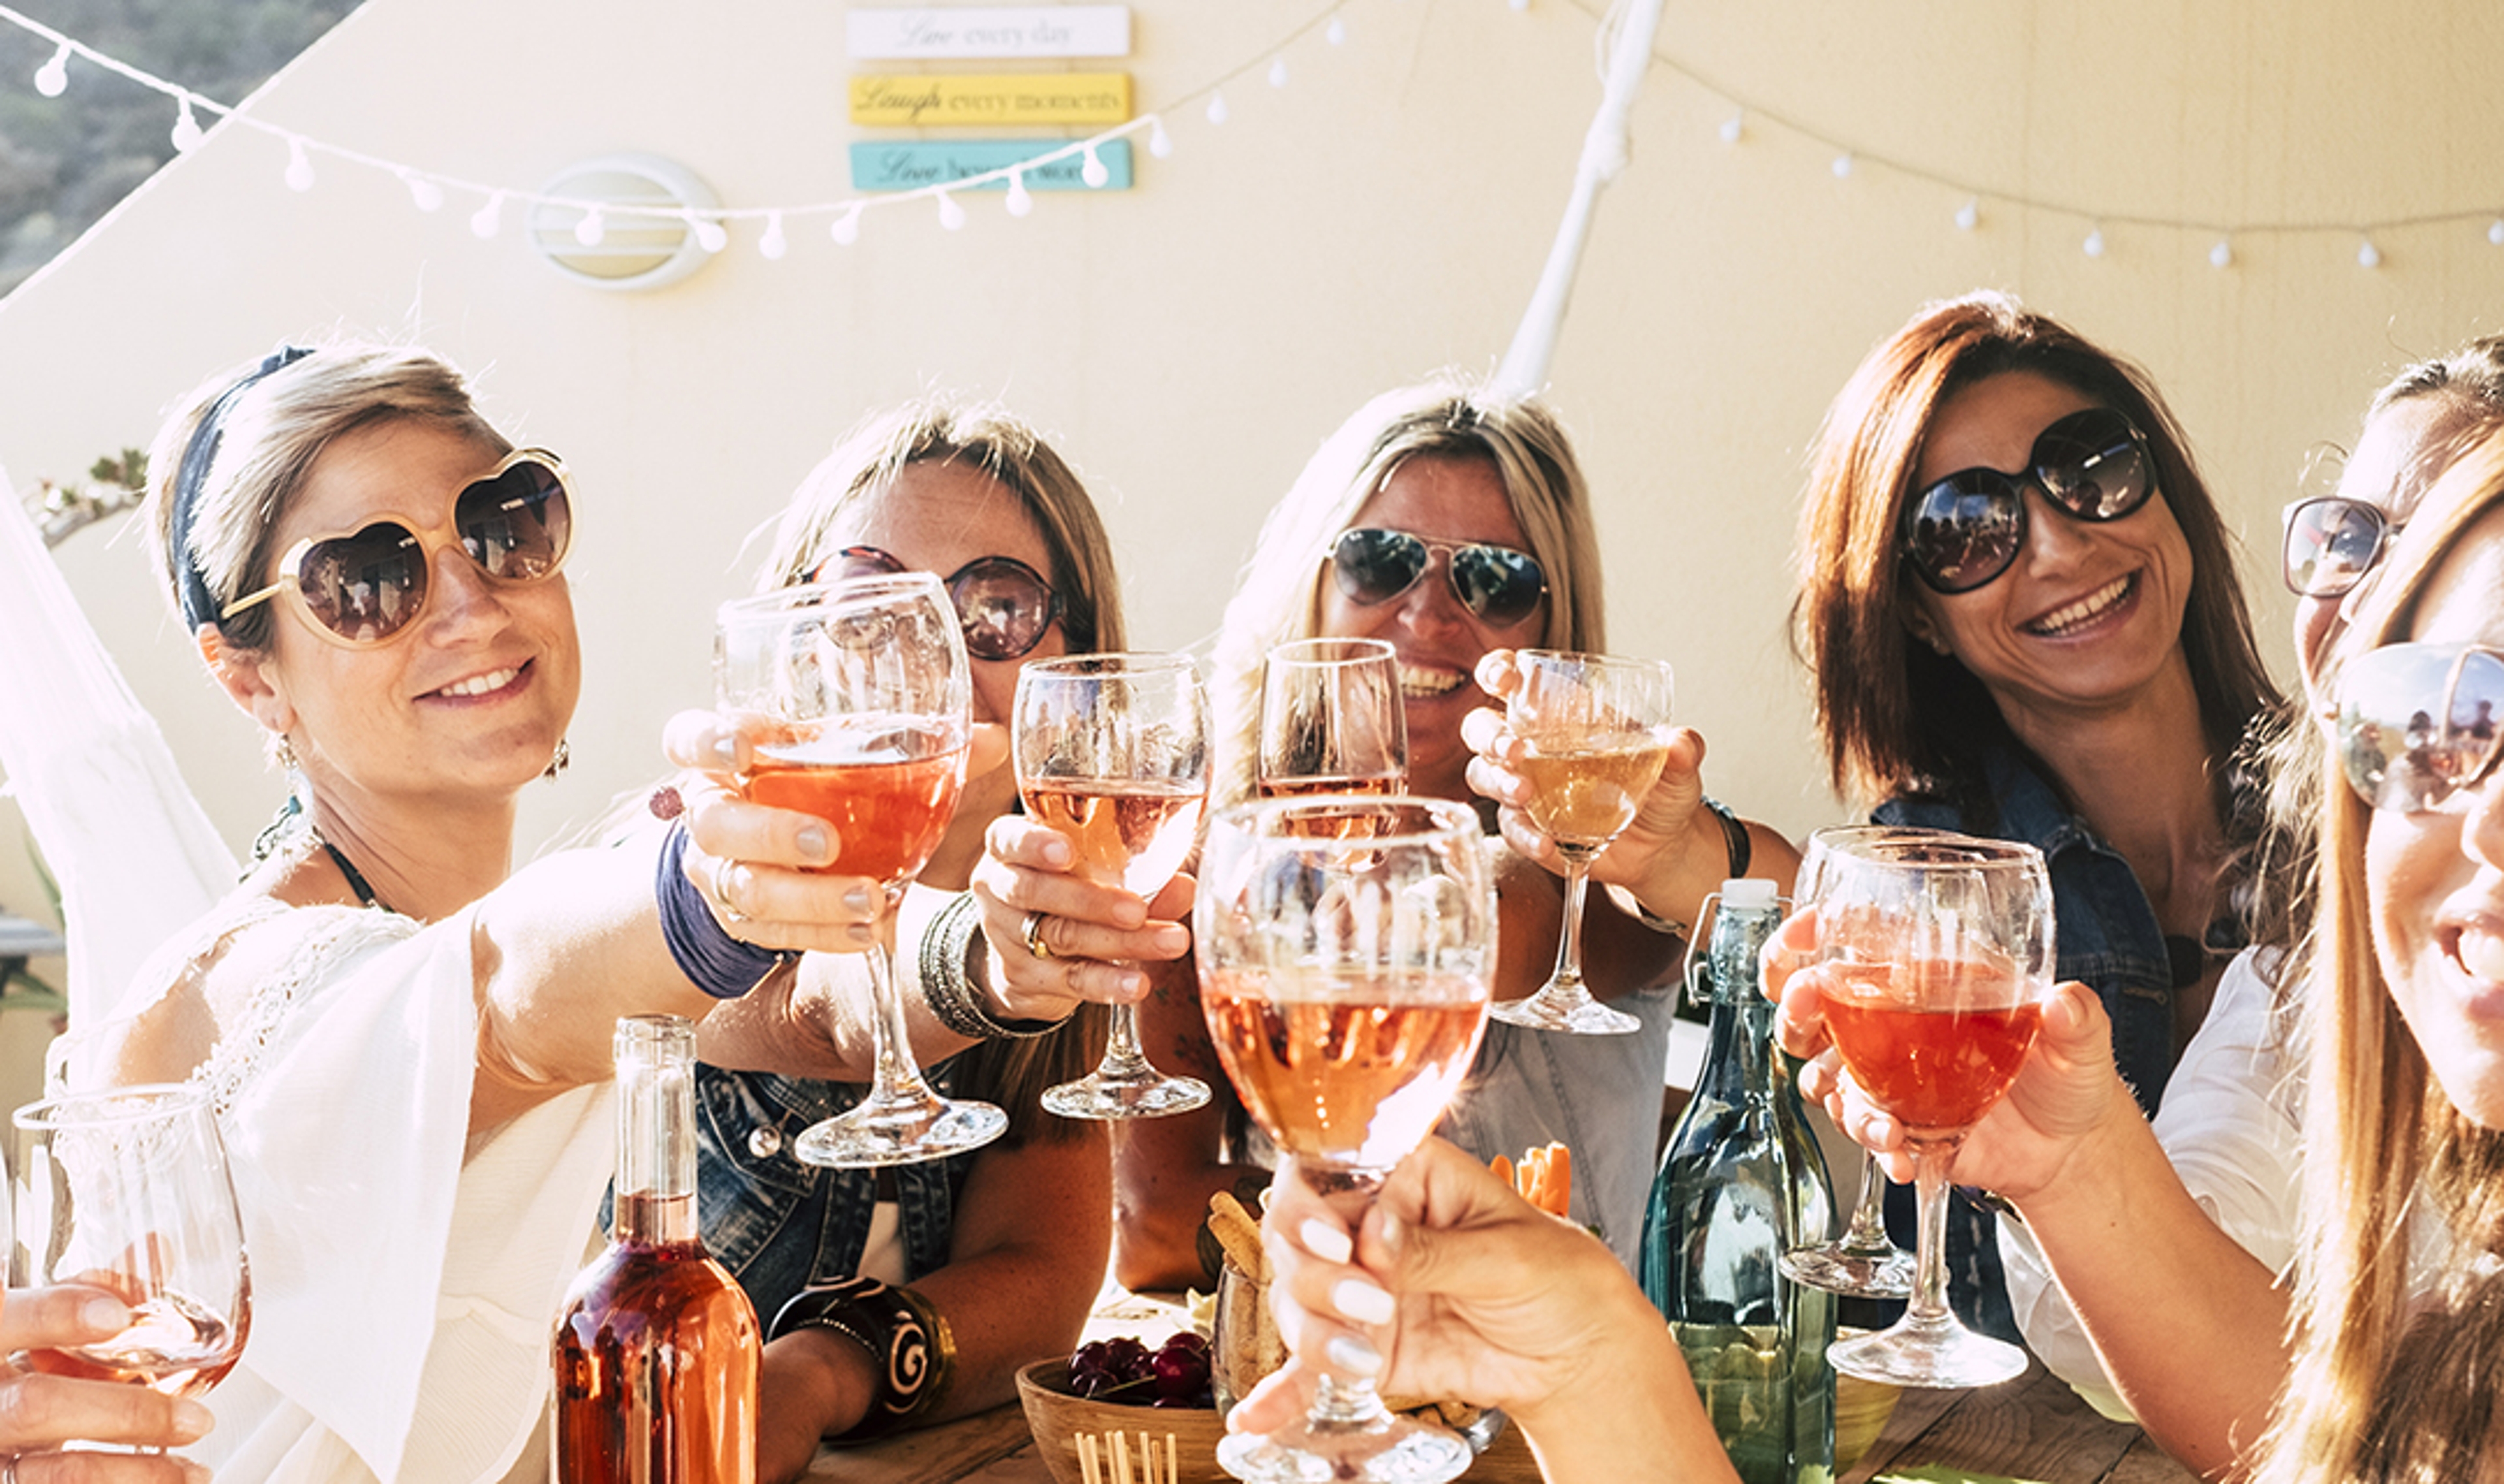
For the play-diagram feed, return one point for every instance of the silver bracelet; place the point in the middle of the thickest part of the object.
(956, 1001)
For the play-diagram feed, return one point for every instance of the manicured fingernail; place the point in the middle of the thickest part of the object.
(1349, 1353)
(860, 932)
(813, 844)
(191, 1420)
(1325, 1241)
(103, 1313)
(1174, 936)
(725, 751)
(1361, 1301)
(856, 899)
(1056, 853)
(1131, 984)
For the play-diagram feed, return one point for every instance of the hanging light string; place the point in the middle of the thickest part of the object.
(1849, 157)
(427, 188)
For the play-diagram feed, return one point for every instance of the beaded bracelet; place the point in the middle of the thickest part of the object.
(712, 959)
(956, 1001)
(907, 1340)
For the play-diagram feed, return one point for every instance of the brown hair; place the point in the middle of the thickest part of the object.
(1896, 718)
(2372, 1395)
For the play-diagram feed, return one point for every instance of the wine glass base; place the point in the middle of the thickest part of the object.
(1941, 1356)
(1571, 1010)
(1852, 1274)
(876, 1134)
(1388, 1450)
(1117, 1098)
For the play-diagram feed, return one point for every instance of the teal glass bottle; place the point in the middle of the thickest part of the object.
(1743, 1180)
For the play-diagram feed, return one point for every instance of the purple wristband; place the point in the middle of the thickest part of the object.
(712, 959)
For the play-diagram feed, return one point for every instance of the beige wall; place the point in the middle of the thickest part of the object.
(1386, 213)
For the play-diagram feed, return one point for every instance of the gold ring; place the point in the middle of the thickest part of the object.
(1034, 945)
(9, 1470)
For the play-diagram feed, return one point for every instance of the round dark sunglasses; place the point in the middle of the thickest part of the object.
(515, 522)
(2416, 724)
(1964, 531)
(2331, 543)
(1496, 584)
(1004, 604)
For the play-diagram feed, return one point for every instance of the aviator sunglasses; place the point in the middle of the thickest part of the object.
(1966, 529)
(515, 522)
(2331, 543)
(1004, 604)
(1496, 584)
(2416, 724)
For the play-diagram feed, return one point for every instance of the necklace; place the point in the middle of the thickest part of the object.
(356, 881)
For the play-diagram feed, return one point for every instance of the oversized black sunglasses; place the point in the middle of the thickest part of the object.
(515, 522)
(1964, 531)
(2331, 543)
(1496, 584)
(1004, 604)
(2416, 724)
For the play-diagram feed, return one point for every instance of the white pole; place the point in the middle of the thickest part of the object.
(1605, 151)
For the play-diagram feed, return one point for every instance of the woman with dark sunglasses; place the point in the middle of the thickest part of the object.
(1000, 1252)
(408, 1040)
(1448, 520)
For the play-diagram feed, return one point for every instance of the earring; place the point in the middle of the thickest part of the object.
(559, 763)
(285, 753)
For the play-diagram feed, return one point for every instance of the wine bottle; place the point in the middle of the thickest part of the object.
(1741, 1181)
(657, 1354)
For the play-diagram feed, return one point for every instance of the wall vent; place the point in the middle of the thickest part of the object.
(635, 249)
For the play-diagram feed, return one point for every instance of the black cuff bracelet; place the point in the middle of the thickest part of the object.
(906, 1339)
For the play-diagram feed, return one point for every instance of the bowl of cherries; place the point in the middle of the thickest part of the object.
(1121, 1387)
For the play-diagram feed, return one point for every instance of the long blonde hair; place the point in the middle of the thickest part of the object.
(2373, 1393)
(1447, 416)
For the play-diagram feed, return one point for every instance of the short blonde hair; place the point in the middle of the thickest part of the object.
(1448, 416)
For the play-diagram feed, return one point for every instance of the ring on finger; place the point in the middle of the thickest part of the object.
(1034, 945)
(9, 1470)
(720, 892)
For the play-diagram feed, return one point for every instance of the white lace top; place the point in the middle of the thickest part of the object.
(404, 1281)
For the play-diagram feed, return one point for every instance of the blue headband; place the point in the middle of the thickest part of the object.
(191, 586)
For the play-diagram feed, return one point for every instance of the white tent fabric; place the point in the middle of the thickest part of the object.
(133, 853)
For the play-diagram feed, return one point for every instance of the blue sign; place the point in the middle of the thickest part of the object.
(912, 164)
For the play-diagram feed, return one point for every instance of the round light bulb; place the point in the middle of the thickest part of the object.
(2094, 246)
(2495, 231)
(52, 79)
(592, 229)
(485, 220)
(1842, 166)
(423, 193)
(186, 127)
(1278, 72)
(847, 229)
(2368, 255)
(1161, 143)
(772, 244)
(1092, 172)
(1217, 108)
(1969, 216)
(299, 166)
(951, 215)
(1336, 34)
(1733, 129)
(1021, 200)
(2222, 255)
(710, 235)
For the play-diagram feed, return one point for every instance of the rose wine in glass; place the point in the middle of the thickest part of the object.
(658, 1351)
(1595, 731)
(1112, 750)
(1332, 720)
(1933, 958)
(127, 1191)
(1864, 1262)
(1345, 979)
(857, 699)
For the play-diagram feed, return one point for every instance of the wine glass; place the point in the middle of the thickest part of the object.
(1332, 720)
(1595, 732)
(1344, 976)
(1112, 750)
(127, 1191)
(1864, 1262)
(855, 697)
(1934, 959)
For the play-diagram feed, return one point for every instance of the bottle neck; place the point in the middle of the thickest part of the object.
(657, 1142)
(1740, 1022)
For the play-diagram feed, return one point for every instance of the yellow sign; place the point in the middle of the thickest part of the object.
(1039, 97)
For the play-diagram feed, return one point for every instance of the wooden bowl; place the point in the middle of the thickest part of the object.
(1058, 1416)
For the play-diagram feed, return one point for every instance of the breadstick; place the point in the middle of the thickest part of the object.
(1240, 1234)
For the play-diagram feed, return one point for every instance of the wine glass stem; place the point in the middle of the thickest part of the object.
(1932, 1158)
(1569, 942)
(900, 1076)
(1122, 1052)
(1350, 1402)
(1868, 1230)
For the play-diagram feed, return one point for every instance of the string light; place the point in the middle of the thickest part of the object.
(2222, 256)
(1092, 172)
(1217, 108)
(2495, 231)
(186, 127)
(1842, 166)
(423, 193)
(847, 229)
(299, 166)
(1020, 202)
(951, 215)
(1160, 145)
(710, 235)
(772, 244)
(1337, 35)
(2368, 255)
(52, 79)
(485, 220)
(592, 229)
(1278, 72)
(1970, 215)
(2094, 246)
(1734, 128)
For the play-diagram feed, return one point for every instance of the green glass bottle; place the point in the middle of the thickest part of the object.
(1743, 1180)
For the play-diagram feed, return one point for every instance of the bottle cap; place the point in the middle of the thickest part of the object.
(1753, 893)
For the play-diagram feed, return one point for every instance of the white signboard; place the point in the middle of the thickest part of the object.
(1024, 30)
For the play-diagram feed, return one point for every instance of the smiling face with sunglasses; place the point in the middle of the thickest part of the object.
(1435, 564)
(2039, 552)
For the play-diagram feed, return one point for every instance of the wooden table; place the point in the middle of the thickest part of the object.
(2031, 1428)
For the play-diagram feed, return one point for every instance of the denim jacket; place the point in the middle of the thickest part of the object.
(781, 1226)
(2107, 937)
